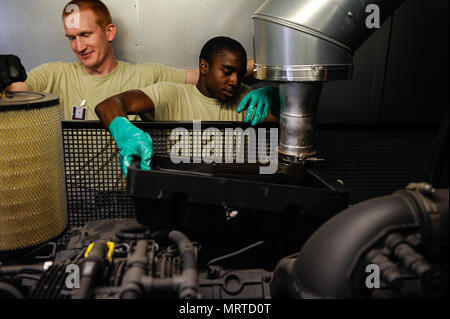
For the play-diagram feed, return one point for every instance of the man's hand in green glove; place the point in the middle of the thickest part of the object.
(132, 142)
(259, 103)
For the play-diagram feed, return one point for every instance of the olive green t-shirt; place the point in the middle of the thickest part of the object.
(73, 84)
(184, 102)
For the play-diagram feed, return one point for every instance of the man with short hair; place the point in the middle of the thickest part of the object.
(98, 74)
(218, 96)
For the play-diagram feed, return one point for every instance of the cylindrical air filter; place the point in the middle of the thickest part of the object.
(32, 185)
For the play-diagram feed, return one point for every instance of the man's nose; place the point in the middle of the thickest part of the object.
(80, 44)
(234, 79)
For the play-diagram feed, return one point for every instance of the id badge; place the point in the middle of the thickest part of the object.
(79, 112)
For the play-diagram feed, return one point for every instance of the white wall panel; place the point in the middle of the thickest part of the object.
(164, 31)
(33, 30)
(174, 31)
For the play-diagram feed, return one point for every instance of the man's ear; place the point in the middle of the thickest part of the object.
(204, 67)
(111, 32)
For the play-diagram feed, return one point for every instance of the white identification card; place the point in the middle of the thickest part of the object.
(79, 112)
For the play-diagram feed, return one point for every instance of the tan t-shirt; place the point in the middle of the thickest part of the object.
(184, 102)
(73, 84)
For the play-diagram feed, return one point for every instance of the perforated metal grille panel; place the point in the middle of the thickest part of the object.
(375, 161)
(32, 190)
(371, 161)
(96, 187)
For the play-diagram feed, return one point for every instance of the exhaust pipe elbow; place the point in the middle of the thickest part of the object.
(332, 262)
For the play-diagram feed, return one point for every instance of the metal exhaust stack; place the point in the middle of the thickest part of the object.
(302, 44)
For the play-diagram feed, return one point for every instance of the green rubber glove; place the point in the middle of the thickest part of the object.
(259, 103)
(132, 143)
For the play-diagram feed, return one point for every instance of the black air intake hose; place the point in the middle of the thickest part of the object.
(332, 263)
(131, 285)
(186, 284)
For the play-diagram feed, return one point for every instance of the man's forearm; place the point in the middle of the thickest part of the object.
(109, 109)
(126, 103)
(192, 76)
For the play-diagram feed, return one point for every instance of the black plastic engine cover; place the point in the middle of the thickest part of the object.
(233, 199)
